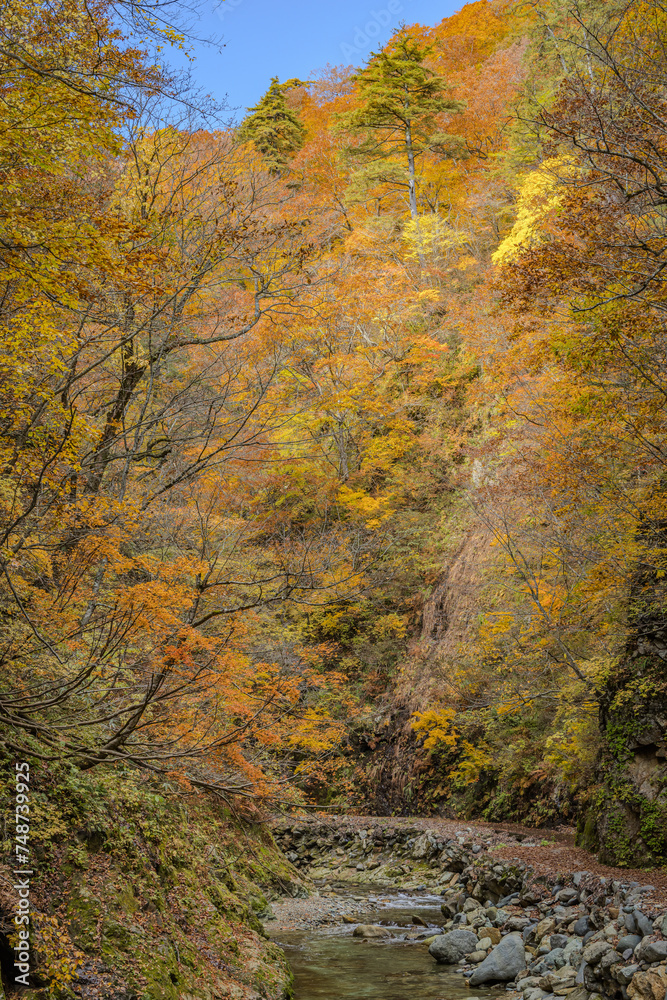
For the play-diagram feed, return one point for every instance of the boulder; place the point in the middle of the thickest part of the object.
(651, 985)
(653, 951)
(450, 948)
(493, 933)
(594, 951)
(628, 941)
(561, 982)
(625, 973)
(528, 983)
(582, 926)
(611, 958)
(644, 925)
(422, 848)
(545, 928)
(555, 959)
(371, 931)
(559, 941)
(518, 923)
(502, 965)
(573, 949)
(534, 993)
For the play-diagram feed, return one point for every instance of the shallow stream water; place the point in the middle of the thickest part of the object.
(331, 964)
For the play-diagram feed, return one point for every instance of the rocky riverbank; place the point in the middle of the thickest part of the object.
(572, 934)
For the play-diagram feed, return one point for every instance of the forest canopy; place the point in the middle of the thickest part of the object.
(261, 386)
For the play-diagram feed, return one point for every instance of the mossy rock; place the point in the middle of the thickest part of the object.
(83, 913)
(119, 937)
(587, 836)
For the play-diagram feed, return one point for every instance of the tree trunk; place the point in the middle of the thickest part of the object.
(412, 188)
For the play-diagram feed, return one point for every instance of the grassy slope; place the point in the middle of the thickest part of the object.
(158, 893)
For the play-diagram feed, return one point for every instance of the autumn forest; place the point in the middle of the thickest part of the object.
(333, 444)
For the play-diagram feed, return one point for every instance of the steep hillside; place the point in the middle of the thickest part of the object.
(138, 891)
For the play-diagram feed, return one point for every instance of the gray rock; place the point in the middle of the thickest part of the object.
(450, 948)
(624, 975)
(559, 940)
(594, 951)
(663, 926)
(518, 923)
(422, 848)
(555, 959)
(653, 951)
(582, 926)
(644, 925)
(528, 983)
(628, 941)
(572, 951)
(611, 958)
(630, 923)
(501, 966)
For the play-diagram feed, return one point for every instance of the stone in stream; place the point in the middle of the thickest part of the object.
(450, 948)
(371, 931)
(504, 962)
(418, 921)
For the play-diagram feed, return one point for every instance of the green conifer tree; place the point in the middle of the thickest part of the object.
(399, 101)
(273, 127)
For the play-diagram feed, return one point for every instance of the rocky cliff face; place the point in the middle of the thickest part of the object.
(631, 813)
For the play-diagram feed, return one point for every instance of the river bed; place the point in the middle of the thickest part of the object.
(330, 963)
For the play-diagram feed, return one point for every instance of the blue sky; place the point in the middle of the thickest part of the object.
(265, 38)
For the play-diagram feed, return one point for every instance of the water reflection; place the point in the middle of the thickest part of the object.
(332, 964)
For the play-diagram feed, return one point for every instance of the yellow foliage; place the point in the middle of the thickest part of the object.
(539, 194)
(437, 727)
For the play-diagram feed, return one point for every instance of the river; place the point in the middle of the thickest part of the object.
(330, 963)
